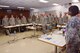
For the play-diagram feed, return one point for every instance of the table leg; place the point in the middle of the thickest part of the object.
(7, 31)
(19, 29)
(55, 49)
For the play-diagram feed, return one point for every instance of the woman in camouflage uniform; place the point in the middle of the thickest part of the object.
(72, 31)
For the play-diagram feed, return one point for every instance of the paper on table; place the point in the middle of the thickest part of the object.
(55, 39)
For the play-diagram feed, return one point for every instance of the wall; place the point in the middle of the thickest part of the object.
(63, 8)
(14, 12)
(58, 9)
(77, 4)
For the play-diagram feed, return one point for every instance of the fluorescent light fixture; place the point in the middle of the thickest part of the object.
(55, 4)
(4, 6)
(75, 1)
(32, 8)
(43, 1)
(20, 7)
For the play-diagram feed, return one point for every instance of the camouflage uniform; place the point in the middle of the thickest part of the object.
(73, 35)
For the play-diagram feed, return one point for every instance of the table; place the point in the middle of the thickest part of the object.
(20, 26)
(55, 39)
(34, 27)
(62, 26)
(15, 26)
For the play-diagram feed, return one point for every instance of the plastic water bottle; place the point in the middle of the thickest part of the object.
(64, 32)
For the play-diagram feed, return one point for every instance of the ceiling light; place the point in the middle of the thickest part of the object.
(55, 4)
(32, 8)
(43, 1)
(20, 7)
(75, 0)
(4, 6)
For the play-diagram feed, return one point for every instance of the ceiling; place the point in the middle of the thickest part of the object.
(31, 3)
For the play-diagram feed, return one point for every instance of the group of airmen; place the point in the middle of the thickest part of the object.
(41, 19)
(47, 20)
(6, 21)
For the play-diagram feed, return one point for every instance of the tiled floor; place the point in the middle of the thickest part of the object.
(28, 45)
(4, 38)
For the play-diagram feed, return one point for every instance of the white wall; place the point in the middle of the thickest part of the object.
(77, 4)
(58, 9)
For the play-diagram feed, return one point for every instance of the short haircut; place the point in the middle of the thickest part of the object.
(74, 10)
